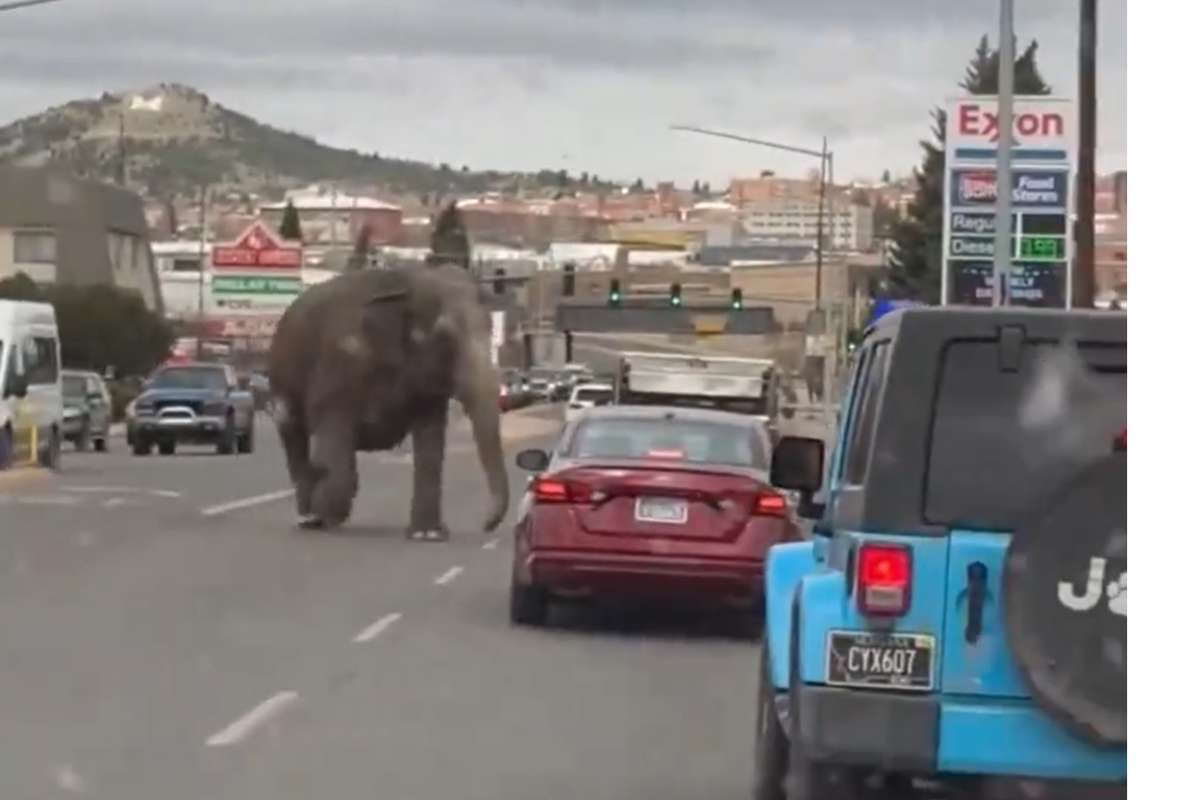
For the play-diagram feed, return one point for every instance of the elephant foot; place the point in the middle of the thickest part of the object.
(310, 522)
(428, 534)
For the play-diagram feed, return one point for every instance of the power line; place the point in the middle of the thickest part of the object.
(12, 6)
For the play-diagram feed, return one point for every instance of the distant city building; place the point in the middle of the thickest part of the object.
(845, 226)
(331, 217)
(768, 187)
(57, 228)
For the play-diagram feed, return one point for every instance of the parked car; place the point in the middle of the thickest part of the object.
(651, 500)
(547, 384)
(87, 410)
(587, 395)
(198, 403)
(31, 403)
(960, 614)
(514, 392)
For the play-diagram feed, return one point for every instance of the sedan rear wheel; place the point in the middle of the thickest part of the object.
(528, 604)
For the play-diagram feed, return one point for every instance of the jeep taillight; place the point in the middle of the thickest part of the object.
(884, 576)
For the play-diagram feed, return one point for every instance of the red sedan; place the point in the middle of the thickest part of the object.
(648, 500)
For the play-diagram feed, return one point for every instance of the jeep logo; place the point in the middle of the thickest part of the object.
(1094, 588)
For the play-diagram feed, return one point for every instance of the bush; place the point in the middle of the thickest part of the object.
(100, 326)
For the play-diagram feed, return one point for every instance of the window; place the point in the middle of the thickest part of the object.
(190, 378)
(597, 396)
(35, 247)
(75, 386)
(691, 441)
(1002, 438)
(858, 447)
(122, 250)
(185, 265)
(43, 369)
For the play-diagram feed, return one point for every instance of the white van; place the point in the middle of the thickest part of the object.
(31, 401)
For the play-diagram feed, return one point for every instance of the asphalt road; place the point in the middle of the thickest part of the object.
(167, 633)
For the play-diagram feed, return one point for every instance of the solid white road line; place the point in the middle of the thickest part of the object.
(246, 502)
(242, 727)
(491, 544)
(121, 490)
(113, 502)
(448, 575)
(377, 627)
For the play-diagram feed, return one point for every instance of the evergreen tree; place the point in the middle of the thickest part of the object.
(914, 263)
(887, 176)
(449, 243)
(639, 186)
(696, 187)
(289, 226)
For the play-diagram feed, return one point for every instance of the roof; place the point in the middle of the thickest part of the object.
(682, 413)
(316, 199)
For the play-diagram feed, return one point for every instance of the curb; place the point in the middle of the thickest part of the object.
(17, 474)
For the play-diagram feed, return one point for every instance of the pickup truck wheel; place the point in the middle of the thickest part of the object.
(166, 448)
(228, 439)
(770, 742)
(6, 448)
(245, 443)
(101, 444)
(141, 446)
(51, 457)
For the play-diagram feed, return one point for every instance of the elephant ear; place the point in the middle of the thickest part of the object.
(386, 316)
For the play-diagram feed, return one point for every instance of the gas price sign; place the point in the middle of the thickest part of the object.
(1042, 166)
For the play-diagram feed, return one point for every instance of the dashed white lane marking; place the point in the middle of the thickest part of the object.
(245, 725)
(113, 502)
(377, 627)
(121, 490)
(491, 544)
(246, 502)
(448, 575)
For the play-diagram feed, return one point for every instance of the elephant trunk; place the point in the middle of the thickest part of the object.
(478, 392)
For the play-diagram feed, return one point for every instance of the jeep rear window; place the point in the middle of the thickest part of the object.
(1002, 438)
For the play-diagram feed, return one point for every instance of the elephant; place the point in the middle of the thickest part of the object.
(359, 362)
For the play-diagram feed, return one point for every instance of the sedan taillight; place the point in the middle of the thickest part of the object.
(556, 490)
(770, 504)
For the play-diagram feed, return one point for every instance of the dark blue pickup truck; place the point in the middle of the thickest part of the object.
(192, 404)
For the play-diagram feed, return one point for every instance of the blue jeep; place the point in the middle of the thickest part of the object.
(957, 619)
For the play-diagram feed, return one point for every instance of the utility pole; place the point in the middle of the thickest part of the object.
(1083, 276)
(200, 281)
(820, 221)
(1002, 261)
(121, 150)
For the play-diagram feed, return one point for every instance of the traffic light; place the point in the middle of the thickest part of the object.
(736, 300)
(568, 287)
(614, 292)
(498, 281)
(676, 295)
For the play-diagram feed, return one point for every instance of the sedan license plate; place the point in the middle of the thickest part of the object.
(661, 509)
(880, 660)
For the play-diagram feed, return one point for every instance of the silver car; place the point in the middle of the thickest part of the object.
(87, 410)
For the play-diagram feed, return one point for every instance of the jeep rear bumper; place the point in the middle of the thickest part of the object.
(944, 735)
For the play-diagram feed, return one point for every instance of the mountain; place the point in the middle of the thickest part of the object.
(175, 138)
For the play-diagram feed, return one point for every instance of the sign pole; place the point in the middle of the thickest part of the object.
(1002, 264)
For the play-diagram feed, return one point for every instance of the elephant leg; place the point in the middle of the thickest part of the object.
(294, 436)
(335, 469)
(429, 451)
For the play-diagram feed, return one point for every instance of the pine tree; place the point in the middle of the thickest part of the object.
(449, 243)
(887, 177)
(915, 260)
(696, 189)
(289, 226)
(638, 185)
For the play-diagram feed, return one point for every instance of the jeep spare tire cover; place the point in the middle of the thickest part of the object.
(1064, 602)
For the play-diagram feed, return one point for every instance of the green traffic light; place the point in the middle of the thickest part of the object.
(675, 301)
(614, 298)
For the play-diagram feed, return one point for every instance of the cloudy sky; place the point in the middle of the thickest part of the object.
(575, 84)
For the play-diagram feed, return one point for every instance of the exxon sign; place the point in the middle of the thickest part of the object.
(1043, 129)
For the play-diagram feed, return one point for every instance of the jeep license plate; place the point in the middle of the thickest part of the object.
(880, 660)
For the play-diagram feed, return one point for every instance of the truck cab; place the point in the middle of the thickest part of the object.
(959, 615)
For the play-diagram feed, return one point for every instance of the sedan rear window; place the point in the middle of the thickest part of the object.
(597, 396)
(670, 440)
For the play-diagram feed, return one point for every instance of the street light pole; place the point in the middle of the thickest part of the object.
(1083, 290)
(1002, 261)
